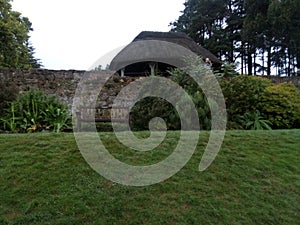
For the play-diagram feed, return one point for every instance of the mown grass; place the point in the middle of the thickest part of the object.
(255, 179)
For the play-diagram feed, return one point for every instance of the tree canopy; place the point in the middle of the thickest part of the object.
(15, 48)
(262, 36)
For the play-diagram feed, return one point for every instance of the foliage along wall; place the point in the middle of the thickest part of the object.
(63, 83)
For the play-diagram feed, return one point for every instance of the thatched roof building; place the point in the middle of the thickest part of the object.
(151, 51)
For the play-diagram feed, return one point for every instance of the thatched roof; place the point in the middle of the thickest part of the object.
(166, 47)
(179, 38)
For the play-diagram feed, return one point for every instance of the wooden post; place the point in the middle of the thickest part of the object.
(152, 67)
(123, 72)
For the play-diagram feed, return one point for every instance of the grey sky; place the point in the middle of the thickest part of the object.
(74, 34)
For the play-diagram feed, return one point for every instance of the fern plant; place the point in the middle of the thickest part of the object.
(255, 121)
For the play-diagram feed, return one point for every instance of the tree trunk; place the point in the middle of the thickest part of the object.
(249, 60)
(289, 63)
(254, 60)
(298, 63)
(263, 62)
(269, 62)
(242, 59)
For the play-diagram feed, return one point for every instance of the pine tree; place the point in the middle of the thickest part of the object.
(260, 35)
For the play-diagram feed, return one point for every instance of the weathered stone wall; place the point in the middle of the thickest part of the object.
(63, 83)
(294, 80)
(54, 82)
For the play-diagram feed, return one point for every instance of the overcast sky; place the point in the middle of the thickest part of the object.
(74, 34)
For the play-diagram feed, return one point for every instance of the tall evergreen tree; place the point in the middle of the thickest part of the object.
(15, 48)
(260, 35)
(285, 22)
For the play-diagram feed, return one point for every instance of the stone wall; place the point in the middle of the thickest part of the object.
(63, 83)
(54, 82)
(294, 80)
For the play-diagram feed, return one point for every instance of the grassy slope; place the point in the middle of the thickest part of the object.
(254, 180)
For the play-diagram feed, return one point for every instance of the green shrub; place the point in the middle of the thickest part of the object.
(10, 121)
(8, 93)
(250, 98)
(35, 111)
(57, 117)
(254, 121)
(281, 105)
(195, 92)
(243, 94)
(151, 107)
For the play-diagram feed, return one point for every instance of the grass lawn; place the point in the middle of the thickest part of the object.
(255, 179)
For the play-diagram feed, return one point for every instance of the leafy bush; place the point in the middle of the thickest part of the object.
(253, 102)
(243, 94)
(281, 105)
(196, 94)
(35, 111)
(254, 121)
(152, 107)
(10, 121)
(8, 93)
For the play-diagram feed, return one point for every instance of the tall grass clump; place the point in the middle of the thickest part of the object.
(34, 111)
